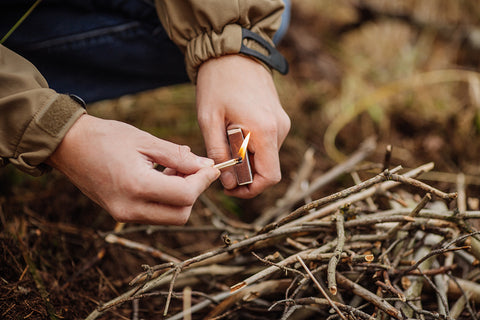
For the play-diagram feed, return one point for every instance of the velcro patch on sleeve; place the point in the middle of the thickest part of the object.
(54, 118)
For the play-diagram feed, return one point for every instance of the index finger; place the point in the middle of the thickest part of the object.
(176, 190)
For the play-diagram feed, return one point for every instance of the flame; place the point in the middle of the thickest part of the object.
(243, 148)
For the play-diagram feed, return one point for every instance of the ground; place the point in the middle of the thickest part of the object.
(405, 73)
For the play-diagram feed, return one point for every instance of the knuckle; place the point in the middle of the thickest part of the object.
(187, 198)
(181, 217)
(272, 177)
(119, 213)
(204, 119)
(134, 187)
(216, 153)
(286, 123)
(269, 127)
(275, 178)
(183, 152)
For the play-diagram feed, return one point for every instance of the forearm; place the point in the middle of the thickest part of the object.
(34, 119)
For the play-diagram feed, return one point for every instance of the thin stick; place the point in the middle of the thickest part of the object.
(111, 238)
(464, 294)
(323, 302)
(412, 214)
(429, 272)
(135, 303)
(228, 163)
(296, 186)
(170, 290)
(441, 295)
(352, 198)
(302, 211)
(421, 311)
(357, 180)
(433, 253)
(283, 268)
(310, 254)
(187, 303)
(388, 156)
(369, 296)
(332, 304)
(332, 264)
(366, 148)
(392, 289)
(462, 207)
(459, 305)
(421, 185)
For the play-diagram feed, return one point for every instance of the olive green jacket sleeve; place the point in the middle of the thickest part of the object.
(33, 118)
(205, 29)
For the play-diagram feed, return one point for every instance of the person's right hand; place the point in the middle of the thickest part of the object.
(113, 164)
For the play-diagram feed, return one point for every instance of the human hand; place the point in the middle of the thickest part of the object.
(113, 164)
(234, 91)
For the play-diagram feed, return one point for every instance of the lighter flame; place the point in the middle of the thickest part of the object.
(243, 148)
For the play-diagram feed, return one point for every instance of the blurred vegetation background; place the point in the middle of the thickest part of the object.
(403, 71)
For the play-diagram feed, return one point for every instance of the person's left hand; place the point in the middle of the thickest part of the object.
(234, 91)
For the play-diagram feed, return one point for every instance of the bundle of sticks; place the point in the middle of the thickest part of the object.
(390, 247)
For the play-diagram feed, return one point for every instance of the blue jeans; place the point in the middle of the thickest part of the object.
(97, 49)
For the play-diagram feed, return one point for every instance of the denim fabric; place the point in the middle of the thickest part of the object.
(97, 49)
(285, 22)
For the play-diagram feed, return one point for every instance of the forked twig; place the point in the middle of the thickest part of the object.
(333, 305)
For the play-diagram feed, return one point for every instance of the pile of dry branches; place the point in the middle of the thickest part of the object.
(366, 252)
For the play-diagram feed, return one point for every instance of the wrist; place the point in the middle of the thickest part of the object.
(234, 66)
(69, 141)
